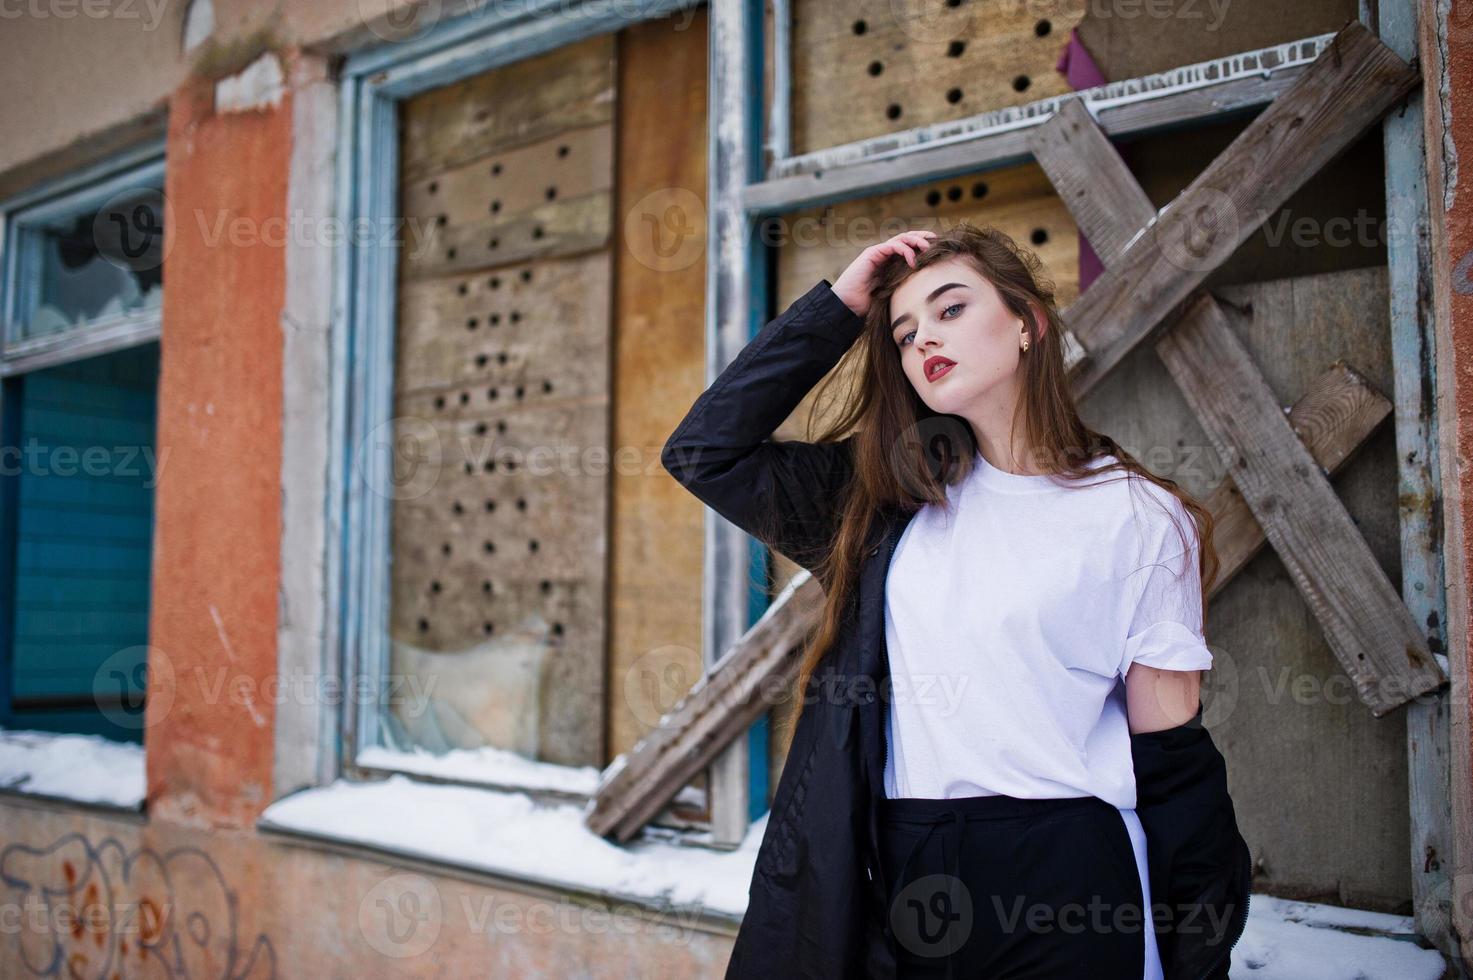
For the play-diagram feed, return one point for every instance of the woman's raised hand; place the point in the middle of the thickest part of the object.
(853, 285)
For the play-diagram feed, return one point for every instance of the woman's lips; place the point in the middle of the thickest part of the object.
(940, 372)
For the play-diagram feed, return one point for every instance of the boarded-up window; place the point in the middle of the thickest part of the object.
(499, 537)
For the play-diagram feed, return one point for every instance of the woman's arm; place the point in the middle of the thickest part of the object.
(1165, 650)
(1157, 699)
(784, 493)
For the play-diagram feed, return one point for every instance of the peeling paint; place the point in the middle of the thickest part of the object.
(1445, 105)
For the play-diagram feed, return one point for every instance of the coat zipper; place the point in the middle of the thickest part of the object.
(1240, 922)
(885, 660)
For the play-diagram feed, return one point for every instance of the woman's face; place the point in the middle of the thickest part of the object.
(948, 312)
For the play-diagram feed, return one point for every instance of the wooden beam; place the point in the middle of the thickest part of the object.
(736, 692)
(1333, 418)
(1432, 795)
(1345, 91)
(1171, 99)
(1365, 622)
(1338, 413)
(735, 307)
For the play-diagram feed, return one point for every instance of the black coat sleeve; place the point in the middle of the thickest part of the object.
(784, 493)
(1200, 866)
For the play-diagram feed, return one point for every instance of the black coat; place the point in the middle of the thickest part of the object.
(817, 899)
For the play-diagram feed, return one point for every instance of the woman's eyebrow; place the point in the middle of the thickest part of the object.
(934, 293)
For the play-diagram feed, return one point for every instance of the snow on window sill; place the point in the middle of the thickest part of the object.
(509, 834)
(74, 768)
(502, 769)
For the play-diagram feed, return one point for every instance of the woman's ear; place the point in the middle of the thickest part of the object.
(1040, 319)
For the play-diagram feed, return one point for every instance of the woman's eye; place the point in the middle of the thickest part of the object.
(906, 337)
(953, 306)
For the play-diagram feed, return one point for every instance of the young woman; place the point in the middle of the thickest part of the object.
(1042, 613)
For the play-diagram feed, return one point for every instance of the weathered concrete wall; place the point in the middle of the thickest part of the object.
(218, 506)
(239, 905)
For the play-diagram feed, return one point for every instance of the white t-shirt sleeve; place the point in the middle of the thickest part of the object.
(1166, 618)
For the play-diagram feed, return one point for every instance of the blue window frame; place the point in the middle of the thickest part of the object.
(79, 356)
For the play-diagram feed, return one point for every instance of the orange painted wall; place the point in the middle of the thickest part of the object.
(217, 541)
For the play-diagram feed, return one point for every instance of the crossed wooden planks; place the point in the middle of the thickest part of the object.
(1345, 91)
(1338, 413)
(1153, 266)
(722, 705)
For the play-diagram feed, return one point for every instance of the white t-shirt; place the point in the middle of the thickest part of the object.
(1011, 621)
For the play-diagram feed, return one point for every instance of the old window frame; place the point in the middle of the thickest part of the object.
(373, 82)
(87, 187)
(81, 189)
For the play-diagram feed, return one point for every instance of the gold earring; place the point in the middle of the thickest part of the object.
(1025, 346)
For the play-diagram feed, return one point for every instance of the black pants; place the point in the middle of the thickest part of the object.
(1002, 887)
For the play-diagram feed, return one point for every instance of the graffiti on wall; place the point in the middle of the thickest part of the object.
(98, 912)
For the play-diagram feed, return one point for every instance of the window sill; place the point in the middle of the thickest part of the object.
(73, 769)
(508, 836)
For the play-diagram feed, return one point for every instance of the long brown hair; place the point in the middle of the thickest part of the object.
(905, 454)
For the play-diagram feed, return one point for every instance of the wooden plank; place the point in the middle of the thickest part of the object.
(657, 540)
(1432, 795)
(1347, 89)
(1334, 417)
(1336, 414)
(735, 307)
(1288, 493)
(868, 67)
(732, 695)
(1092, 180)
(567, 88)
(1169, 100)
(1366, 624)
(497, 587)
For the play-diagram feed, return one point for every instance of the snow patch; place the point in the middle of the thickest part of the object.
(84, 768)
(508, 833)
(260, 86)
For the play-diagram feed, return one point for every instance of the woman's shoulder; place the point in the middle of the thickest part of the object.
(1137, 504)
